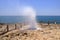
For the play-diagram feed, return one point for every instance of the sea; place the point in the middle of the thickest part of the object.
(21, 19)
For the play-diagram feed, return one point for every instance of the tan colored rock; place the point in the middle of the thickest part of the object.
(11, 27)
(46, 34)
(18, 26)
(3, 29)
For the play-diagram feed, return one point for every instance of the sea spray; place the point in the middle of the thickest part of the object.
(30, 14)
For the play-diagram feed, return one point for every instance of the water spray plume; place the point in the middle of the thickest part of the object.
(31, 14)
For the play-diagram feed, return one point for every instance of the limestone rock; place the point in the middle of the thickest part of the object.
(3, 29)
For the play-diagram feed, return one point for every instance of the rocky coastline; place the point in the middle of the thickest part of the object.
(13, 32)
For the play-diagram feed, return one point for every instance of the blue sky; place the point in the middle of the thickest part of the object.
(42, 7)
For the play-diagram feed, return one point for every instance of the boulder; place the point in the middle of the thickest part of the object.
(11, 27)
(3, 29)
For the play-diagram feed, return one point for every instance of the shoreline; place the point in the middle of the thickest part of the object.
(10, 27)
(15, 33)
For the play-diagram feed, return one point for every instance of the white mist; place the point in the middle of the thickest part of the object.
(30, 13)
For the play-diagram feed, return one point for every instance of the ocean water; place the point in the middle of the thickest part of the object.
(51, 19)
(20, 19)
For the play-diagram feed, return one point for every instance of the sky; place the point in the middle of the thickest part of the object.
(40, 7)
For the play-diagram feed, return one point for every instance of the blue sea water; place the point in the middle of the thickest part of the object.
(19, 19)
(51, 19)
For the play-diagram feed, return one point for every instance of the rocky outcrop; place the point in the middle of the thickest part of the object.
(11, 27)
(18, 25)
(8, 27)
(53, 34)
(3, 29)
